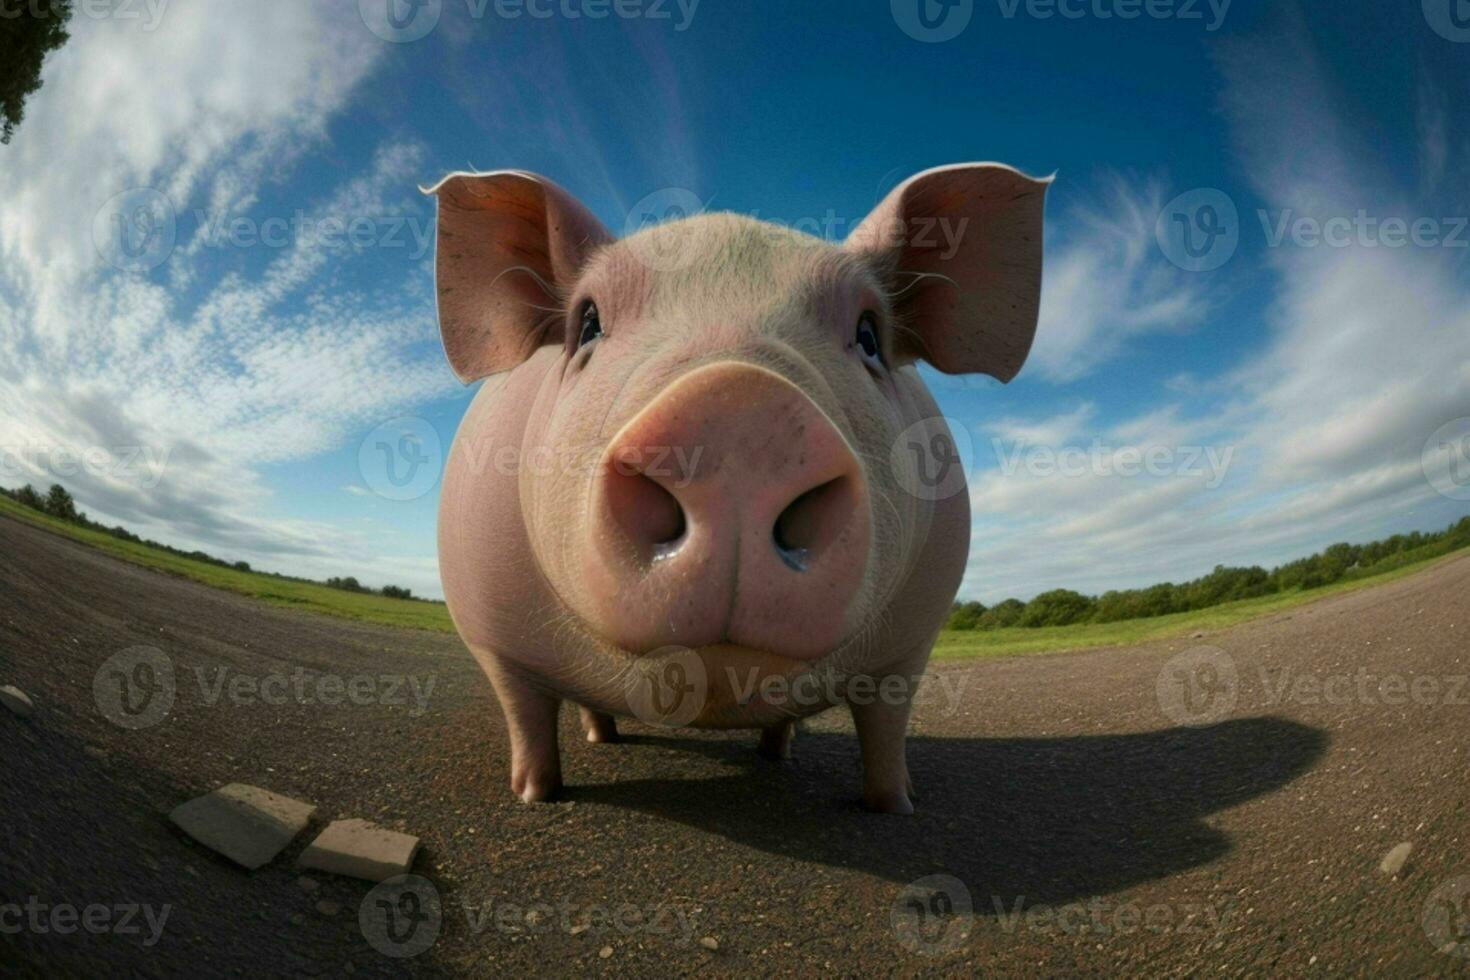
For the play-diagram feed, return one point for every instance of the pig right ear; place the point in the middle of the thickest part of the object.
(960, 247)
(510, 244)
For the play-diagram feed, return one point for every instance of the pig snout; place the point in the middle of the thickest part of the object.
(729, 510)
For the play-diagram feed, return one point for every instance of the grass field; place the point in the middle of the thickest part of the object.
(413, 614)
(279, 591)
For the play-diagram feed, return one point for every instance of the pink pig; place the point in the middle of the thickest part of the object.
(704, 483)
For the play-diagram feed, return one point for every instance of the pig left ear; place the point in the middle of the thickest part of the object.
(959, 248)
(509, 244)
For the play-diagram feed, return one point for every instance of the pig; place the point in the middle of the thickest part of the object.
(703, 482)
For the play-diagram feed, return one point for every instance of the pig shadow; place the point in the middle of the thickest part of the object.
(1052, 820)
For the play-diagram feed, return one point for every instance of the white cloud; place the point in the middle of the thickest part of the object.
(1366, 356)
(1107, 283)
(225, 359)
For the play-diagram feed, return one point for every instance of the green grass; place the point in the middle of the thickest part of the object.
(413, 614)
(955, 644)
(279, 591)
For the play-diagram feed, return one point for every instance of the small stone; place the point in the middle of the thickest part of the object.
(604, 952)
(579, 928)
(17, 701)
(246, 824)
(710, 943)
(96, 752)
(297, 919)
(327, 907)
(1393, 862)
(308, 885)
(360, 849)
(1198, 636)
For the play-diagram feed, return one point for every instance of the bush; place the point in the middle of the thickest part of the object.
(348, 584)
(1059, 607)
(27, 495)
(965, 616)
(397, 592)
(59, 503)
(1002, 614)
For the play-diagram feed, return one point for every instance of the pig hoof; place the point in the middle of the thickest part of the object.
(535, 791)
(600, 727)
(896, 801)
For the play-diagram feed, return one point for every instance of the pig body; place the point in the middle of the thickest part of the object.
(704, 483)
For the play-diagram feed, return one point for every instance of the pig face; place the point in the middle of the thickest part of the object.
(706, 422)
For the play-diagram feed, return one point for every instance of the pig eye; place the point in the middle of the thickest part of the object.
(591, 327)
(867, 337)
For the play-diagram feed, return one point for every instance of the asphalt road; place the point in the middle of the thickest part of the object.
(1213, 805)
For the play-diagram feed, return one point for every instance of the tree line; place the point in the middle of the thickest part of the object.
(58, 503)
(1063, 607)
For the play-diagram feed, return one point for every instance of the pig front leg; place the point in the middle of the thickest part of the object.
(776, 740)
(530, 721)
(882, 726)
(600, 726)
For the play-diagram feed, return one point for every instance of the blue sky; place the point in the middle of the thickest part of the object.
(1290, 395)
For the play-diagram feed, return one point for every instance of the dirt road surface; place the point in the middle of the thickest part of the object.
(1214, 805)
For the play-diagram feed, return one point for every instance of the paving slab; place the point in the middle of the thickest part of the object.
(246, 824)
(17, 701)
(360, 849)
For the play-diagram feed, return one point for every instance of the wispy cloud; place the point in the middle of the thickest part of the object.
(222, 360)
(1106, 283)
(1365, 358)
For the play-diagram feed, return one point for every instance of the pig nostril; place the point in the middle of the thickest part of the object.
(676, 529)
(812, 521)
(647, 513)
